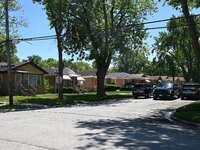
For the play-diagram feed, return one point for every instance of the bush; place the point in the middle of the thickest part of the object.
(111, 87)
(69, 90)
(2, 92)
(48, 87)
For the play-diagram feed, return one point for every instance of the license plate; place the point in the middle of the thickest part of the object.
(160, 95)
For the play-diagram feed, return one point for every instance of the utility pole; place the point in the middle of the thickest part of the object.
(10, 88)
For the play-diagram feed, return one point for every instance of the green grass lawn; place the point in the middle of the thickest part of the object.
(51, 99)
(189, 112)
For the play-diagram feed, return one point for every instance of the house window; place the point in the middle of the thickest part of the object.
(1, 77)
(34, 80)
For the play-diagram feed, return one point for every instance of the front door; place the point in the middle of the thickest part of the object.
(18, 80)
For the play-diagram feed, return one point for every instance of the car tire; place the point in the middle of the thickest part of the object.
(135, 97)
(155, 98)
(182, 98)
(148, 95)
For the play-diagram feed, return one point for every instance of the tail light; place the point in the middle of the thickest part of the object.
(198, 89)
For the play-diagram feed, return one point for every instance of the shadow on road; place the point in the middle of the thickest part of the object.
(139, 134)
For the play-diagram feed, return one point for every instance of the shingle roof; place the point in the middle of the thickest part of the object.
(87, 73)
(139, 75)
(16, 65)
(123, 75)
(66, 71)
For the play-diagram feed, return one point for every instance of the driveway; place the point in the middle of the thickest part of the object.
(118, 125)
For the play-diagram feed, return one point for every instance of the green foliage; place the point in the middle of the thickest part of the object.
(15, 21)
(48, 87)
(68, 90)
(3, 53)
(131, 62)
(111, 87)
(34, 58)
(175, 54)
(177, 3)
(98, 29)
(2, 91)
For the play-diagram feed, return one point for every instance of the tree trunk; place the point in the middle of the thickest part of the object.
(192, 29)
(10, 81)
(101, 73)
(60, 65)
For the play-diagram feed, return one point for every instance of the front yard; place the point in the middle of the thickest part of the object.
(51, 99)
(189, 112)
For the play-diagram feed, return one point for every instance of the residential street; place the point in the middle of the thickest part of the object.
(118, 125)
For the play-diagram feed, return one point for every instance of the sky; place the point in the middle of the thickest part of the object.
(39, 26)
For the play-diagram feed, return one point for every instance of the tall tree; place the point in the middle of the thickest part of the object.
(185, 6)
(34, 58)
(56, 12)
(131, 62)
(103, 28)
(174, 51)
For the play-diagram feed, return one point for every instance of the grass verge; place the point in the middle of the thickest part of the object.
(51, 99)
(189, 112)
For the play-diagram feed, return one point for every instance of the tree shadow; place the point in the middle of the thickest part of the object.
(150, 133)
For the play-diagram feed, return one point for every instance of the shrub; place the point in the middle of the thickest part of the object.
(2, 92)
(111, 87)
(69, 90)
(48, 87)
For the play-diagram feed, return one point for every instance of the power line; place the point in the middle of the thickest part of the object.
(163, 20)
(151, 22)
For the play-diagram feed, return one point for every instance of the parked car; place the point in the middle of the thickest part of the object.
(167, 89)
(190, 90)
(142, 89)
(127, 88)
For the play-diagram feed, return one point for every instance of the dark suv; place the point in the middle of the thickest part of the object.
(190, 90)
(167, 89)
(143, 89)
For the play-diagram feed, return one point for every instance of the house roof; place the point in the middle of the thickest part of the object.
(152, 77)
(66, 71)
(123, 75)
(139, 75)
(17, 65)
(87, 73)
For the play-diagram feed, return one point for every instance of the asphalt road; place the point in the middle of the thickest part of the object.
(118, 125)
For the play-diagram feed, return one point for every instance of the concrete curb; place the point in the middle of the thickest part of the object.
(183, 121)
(14, 110)
(39, 106)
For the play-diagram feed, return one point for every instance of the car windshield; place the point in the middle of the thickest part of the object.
(166, 84)
(190, 86)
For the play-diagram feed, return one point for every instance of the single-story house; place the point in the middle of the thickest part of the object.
(119, 78)
(70, 78)
(90, 83)
(157, 79)
(28, 78)
(123, 78)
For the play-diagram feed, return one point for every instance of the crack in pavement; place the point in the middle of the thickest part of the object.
(14, 141)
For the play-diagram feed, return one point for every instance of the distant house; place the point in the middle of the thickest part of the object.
(90, 77)
(157, 79)
(119, 78)
(28, 78)
(70, 78)
(123, 78)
